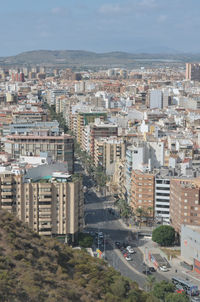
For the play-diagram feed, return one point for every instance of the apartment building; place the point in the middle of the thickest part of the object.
(119, 180)
(142, 192)
(192, 71)
(60, 147)
(61, 104)
(50, 205)
(85, 118)
(107, 151)
(162, 198)
(184, 202)
(136, 158)
(34, 114)
(100, 129)
(156, 99)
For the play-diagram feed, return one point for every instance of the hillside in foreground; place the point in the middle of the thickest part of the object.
(37, 269)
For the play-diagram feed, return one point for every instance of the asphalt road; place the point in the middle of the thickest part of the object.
(98, 218)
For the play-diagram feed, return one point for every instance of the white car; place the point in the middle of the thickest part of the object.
(130, 250)
(128, 258)
(100, 235)
(163, 268)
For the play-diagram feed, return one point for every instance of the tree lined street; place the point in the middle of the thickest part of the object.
(100, 217)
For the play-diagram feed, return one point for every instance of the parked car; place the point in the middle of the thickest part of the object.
(128, 258)
(118, 244)
(163, 268)
(100, 235)
(180, 291)
(195, 299)
(130, 250)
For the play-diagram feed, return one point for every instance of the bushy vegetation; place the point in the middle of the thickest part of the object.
(37, 269)
(40, 269)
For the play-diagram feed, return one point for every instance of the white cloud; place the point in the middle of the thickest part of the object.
(162, 18)
(128, 7)
(111, 8)
(147, 3)
(59, 11)
(44, 34)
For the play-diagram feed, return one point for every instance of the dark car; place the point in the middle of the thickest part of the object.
(146, 272)
(118, 244)
(152, 269)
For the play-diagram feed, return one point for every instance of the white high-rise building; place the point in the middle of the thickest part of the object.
(162, 199)
(156, 99)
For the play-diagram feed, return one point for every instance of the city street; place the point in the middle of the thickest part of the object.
(98, 218)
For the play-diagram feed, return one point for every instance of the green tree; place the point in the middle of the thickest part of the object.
(174, 297)
(164, 235)
(124, 208)
(151, 298)
(162, 288)
(85, 240)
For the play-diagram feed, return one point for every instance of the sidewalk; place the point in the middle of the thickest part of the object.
(176, 269)
(147, 245)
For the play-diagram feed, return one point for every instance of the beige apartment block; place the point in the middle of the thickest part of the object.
(84, 119)
(49, 207)
(107, 150)
(184, 202)
(118, 185)
(142, 192)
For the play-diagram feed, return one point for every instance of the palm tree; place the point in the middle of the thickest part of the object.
(150, 211)
(140, 212)
(150, 282)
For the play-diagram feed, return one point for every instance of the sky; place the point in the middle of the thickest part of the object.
(99, 25)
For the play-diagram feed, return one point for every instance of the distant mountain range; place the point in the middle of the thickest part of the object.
(87, 58)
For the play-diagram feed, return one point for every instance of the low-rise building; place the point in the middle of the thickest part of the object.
(190, 246)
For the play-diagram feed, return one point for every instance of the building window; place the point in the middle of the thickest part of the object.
(185, 194)
(185, 200)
